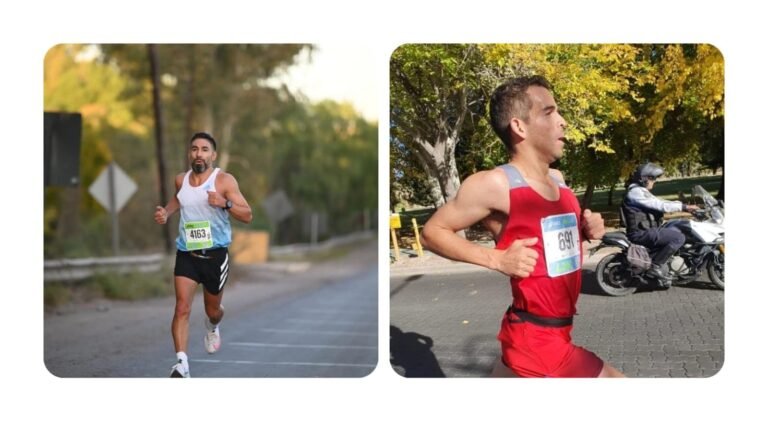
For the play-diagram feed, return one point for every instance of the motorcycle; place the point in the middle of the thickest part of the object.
(704, 250)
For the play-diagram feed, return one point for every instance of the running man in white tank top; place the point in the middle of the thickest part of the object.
(206, 197)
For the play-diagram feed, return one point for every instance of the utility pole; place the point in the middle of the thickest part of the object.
(155, 76)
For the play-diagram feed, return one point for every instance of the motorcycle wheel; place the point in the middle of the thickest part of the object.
(716, 269)
(681, 270)
(613, 277)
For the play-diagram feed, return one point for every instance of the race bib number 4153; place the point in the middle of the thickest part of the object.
(198, 235)
(562, 249)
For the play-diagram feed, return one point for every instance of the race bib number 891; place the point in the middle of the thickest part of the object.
(198, 235)
(562, 249)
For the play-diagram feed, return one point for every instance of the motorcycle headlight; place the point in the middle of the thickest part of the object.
(721, 246)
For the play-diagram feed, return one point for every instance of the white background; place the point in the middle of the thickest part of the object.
(33, 398)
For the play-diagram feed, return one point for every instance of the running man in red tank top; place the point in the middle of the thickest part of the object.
(539, 227)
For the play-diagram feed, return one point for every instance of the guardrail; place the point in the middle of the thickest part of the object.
(82, 268)
(304, 248)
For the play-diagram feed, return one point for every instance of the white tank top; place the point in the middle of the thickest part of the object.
(202, 226)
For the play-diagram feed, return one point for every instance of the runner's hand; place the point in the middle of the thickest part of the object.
(592, 225)
(519, 259)
(161, 215)
(216, 199)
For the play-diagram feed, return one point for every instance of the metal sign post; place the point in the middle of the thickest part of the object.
(113, 211)
(112, 189)
(394, 223)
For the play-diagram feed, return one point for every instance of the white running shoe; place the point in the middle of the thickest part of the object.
(179, 370)
(212, 337)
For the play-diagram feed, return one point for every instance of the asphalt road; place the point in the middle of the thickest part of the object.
(321, 322)
(446, 325)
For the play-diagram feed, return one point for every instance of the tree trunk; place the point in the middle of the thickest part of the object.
(223, 143)
(449, 177)
(190, 100)
(443, 177)
(610, 194)
(68, 223)
(439, 163)
(435, 191)
(586, 200)
(156, 104)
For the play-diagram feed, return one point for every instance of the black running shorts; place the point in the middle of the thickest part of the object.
(209, 267)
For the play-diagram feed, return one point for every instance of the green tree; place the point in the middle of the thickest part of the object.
(323, 156)
(433, 89)
(74, 83)
(624, 104)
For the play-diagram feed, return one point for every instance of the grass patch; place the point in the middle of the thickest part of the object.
(134, 285)
(55, 294)
(113, 286)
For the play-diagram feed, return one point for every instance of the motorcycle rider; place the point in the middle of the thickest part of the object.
(643, 213)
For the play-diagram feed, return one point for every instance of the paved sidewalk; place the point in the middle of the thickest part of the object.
(444, 318)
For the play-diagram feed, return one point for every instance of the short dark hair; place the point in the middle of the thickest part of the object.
(204, 136)
(511, 100)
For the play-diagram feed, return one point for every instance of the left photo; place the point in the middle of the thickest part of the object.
(210, 211)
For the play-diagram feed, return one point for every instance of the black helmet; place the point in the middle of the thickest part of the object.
(645, 172)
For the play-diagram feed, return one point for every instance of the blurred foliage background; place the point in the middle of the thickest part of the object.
(625, 104)
(322, 155)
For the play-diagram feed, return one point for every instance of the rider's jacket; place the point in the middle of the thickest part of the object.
(641, 210)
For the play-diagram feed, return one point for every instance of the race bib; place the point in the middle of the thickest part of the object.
(198, 235)
(561, 244)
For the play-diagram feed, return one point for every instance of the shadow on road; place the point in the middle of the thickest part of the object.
(480, 354)
(404, 284)
(704, 285)
(413, 353)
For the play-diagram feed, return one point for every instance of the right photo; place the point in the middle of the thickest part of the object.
(557, 210)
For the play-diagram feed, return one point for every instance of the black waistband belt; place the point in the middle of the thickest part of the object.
(202, 253)
(539, 320)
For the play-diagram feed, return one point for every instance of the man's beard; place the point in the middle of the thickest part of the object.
(199, 167)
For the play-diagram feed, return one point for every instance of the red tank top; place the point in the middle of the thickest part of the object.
(553, 287)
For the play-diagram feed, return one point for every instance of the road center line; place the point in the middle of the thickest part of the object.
(371, 312)
(304, 331)
(328, 322)
(259, 344)
(251, 362)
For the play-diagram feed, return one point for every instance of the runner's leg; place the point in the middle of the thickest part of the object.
(609, 371)
(185, 293)
(500, 370)
(213, 306)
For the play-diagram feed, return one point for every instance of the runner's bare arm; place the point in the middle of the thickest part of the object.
(230, 190)
(478, 196)
(481, 195)
(162, 213)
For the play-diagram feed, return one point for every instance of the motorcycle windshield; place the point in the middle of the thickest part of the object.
(717, 215)
(715, 211)
(705, 196)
